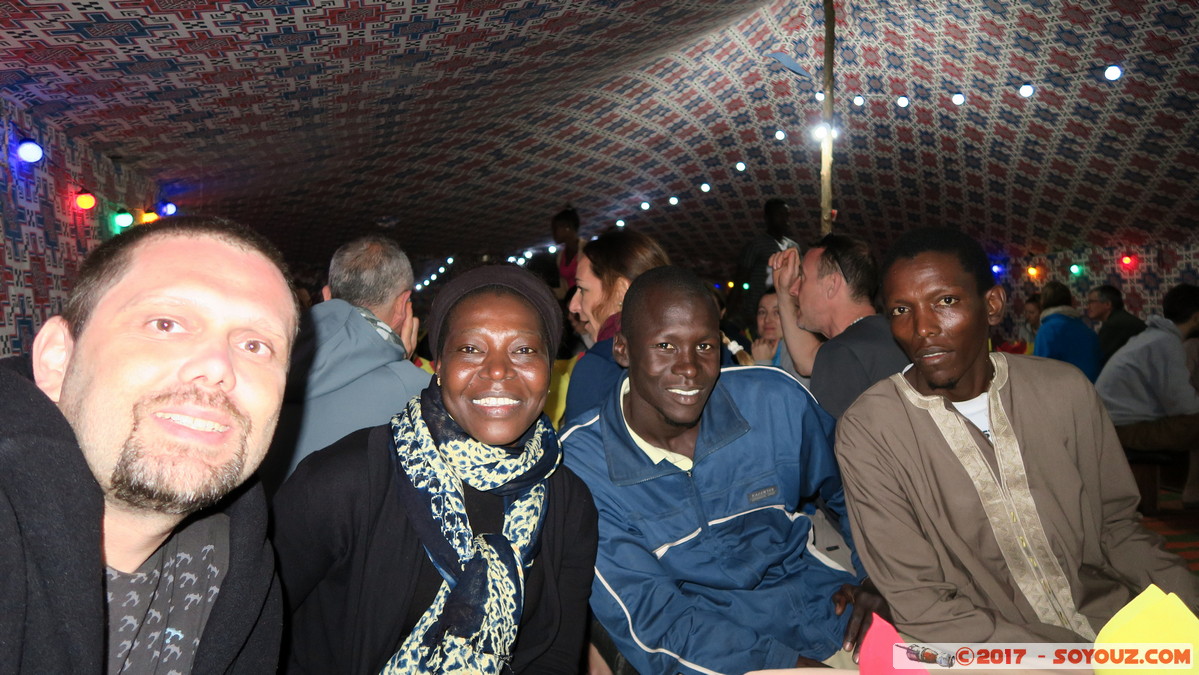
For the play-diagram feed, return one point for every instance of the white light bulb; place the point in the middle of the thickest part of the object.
(528, 254)
(1113, 72)
(673, 200)
(553, 249)
(645, 206)
(704, 187)
(859, 100)
(449, 261)
(1026, 90)
(820, 96)
(902, 101)
(780, 135)
(740, 166)
(619, 223)
(958, 99)
(441, 270)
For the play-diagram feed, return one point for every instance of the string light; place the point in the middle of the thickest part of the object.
(1113, 72)
(958, 98)
(620, 223)
(552, 249)
(820, 96)
(859, 100)
(645, 206)
(996, 269)
(85, 200)
(450, 260)
(902, 101)
(122, 219)
(1027, 90)
(673, 201)
(740, 166)
(1034, 271)
(149, 217)
(1076, 269)
(166, 209)
(780, 135)
(704, 187)
(29, 151)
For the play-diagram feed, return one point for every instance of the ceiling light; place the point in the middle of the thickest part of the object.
(821, 130)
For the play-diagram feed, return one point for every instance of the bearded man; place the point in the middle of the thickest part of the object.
(130, 543)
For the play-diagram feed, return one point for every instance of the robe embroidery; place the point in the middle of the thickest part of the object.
(1008, 502)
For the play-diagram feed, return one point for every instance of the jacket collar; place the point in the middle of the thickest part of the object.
(720, 424)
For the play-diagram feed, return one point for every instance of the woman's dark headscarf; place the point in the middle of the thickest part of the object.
(502, 278)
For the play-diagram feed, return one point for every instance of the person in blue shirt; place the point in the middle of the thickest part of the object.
(1063, 335)
(713, 553)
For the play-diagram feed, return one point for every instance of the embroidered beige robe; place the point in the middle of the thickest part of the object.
(1032, 535)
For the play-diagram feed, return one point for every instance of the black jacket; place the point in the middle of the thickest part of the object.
(351, 564)
(52, 612)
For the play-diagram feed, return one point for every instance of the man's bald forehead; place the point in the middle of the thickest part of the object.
(662, 287)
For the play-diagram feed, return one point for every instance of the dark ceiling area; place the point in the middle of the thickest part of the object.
(461, 126)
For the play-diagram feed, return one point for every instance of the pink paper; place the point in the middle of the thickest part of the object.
(878, 649)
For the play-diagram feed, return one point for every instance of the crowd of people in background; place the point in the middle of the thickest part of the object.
(611, 467)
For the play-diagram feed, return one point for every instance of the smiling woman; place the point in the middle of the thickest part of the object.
(419, 539)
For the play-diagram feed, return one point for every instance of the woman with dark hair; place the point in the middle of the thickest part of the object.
(607, 265)
(449, 540)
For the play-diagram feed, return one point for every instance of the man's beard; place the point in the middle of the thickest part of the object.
(151, 484)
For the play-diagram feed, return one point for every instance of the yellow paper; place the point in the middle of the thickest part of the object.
(1151, 617)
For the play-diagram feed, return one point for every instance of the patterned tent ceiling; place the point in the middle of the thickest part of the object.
(460, 126)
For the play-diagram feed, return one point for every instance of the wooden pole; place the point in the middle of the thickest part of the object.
(826, 145)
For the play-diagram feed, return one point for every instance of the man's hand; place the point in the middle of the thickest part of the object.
(763, 349)
(785, 264)
(410, 335)
(867, 602)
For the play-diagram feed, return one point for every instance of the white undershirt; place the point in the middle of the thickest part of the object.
(978, 411)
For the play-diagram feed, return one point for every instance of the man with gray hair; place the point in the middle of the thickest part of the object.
(351, 367)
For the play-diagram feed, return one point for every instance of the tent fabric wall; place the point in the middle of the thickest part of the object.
(45, 236)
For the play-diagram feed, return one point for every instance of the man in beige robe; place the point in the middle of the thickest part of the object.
(988, 493)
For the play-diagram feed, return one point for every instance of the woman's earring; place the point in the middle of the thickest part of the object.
(439, 379)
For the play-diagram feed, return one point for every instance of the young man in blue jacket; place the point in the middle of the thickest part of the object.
(706, 483)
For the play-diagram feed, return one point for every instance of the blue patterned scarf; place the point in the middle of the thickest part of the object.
(472, 623)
